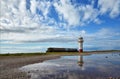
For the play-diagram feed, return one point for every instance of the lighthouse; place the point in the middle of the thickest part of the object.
(81, 44)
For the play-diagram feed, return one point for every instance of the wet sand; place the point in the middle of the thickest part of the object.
(9, 65)
(95, 66)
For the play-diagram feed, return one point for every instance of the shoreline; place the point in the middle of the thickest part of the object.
(9, 65)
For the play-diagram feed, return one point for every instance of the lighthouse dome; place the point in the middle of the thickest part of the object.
(81, 38)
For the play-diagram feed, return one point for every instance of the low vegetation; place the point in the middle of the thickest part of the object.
(23, 54)
(57, 53)
(40, 54)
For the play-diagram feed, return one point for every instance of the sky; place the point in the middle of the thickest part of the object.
(35, 25)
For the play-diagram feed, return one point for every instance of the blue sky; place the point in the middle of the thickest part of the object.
(35, 25)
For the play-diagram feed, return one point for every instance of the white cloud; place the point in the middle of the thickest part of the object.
(89, 13)
(44, 7)
(103, 39)
(110, 6)
(69, 12)
(33, 6)
(20, 25)
(97, 21)
(116, 9)
(23, 49)
(77, 15)
(22, 7)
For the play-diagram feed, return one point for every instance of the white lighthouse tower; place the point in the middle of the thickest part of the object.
(81, 44)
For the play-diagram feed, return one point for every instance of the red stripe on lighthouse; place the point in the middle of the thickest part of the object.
(80, 50)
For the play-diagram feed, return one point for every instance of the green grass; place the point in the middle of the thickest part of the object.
(56, 53)
(23, 54)
(38, 54)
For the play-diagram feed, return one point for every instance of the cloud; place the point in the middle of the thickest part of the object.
(104, 38)
(76, 15)
(111, 7)
(33, 6)
(44, 6)
(23, 49)
(20, 24)
(89, 14)
(97, 21)
(22, 7)
(17, 30)
(15, 14)
(68, 11)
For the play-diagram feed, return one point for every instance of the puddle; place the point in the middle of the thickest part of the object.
(95, 66)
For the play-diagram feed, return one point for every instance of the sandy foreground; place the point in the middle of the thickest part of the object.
(9, 65)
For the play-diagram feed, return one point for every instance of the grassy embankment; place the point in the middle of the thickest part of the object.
(23, 54)
(58, 53)
(40, 54)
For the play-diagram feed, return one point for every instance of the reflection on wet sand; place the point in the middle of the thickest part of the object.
(80, 61)
(69, 67)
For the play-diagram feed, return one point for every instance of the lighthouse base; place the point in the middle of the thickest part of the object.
(80, 50)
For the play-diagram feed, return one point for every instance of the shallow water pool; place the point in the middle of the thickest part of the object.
(94, 66)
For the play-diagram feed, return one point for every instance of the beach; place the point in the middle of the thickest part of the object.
(9, 65)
